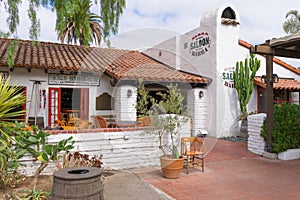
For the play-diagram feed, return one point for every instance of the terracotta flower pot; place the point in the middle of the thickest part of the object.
(171, 168)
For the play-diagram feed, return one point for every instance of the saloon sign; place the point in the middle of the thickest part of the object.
(227, 77)
(200, 44)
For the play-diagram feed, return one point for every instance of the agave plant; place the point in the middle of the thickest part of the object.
(11, 98)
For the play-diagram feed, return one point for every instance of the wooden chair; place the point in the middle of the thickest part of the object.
(60, 122)
(100, 122)
(73, 121)
(82, 124)
(193, 149)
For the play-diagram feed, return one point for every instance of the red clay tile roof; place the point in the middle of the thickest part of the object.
(129, 65)
(276, 60)
(283, 84)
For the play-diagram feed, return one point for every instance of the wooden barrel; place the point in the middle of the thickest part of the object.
(77, 183)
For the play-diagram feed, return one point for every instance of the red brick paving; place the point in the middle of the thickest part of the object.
(231, 172)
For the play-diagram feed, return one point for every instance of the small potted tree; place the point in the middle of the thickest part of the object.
(167, 117)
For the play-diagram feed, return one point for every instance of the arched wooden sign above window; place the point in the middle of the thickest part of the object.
(104, 102)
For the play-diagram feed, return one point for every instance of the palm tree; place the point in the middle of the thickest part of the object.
(110, 12)
(80, 25)
(76, 31)
(292, 23)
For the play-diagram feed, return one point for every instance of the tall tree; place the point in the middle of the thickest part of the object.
(292, 23)
(12, 7)
(79, 24)
(110, 12)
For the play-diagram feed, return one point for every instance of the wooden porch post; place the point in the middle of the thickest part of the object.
(269, 101)
(269, 52)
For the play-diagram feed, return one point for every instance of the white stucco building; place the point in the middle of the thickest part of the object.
(71, 81)
(212, 50)
(89, 81)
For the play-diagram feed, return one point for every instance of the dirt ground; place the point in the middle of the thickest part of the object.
(44, 182)
(118, 185)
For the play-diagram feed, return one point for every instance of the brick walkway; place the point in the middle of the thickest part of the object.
(231, 172)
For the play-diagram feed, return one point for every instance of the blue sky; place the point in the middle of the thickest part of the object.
(259, 19)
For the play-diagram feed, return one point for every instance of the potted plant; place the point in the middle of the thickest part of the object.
(144, 101)
(167, 117)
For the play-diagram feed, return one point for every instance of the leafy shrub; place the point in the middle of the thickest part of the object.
(286, 134)
(35, 194)
(9, 164)
(34, 142)
(144, 101)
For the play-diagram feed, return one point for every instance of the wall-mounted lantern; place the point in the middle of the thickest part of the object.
(274, 78)
(113, 81)
(129, 93)
(201, 94)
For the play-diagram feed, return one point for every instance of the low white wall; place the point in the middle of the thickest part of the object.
(122, 149)
(256, 143)
(290, 154)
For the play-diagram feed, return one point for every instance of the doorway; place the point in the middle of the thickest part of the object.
(67, 103)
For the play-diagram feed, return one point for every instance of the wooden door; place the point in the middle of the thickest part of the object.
(84, 103)
(261, 100)
(54, 105)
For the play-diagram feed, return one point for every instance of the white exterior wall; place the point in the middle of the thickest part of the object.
(136, 150)
(124, 109)
(104, 87)
(211, 63)
(166, 52)
(124, 104)
(127, 149)
(198, 110)
(217, 61)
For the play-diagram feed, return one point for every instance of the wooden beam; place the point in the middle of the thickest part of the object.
(282, 52)
(261, 49)
(287, 53)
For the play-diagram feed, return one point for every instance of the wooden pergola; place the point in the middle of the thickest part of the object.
(288, 47)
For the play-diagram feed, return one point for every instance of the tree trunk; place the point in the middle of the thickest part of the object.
(38, 171)
(244, 128)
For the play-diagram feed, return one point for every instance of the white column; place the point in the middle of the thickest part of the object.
(197, 102)
(125, 101)
(256, 143)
